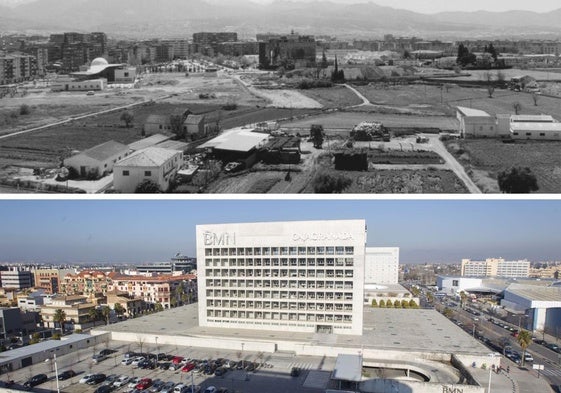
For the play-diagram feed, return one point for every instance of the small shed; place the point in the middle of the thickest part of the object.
(157, 123)
(194, 125)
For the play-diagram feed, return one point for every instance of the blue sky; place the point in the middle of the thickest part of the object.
(154, 230)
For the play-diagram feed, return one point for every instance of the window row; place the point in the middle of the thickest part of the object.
(248, 295)
(320, 273)
(300, 306)
(294, 262)
(280, 316)
(279, 284)
(331, 250)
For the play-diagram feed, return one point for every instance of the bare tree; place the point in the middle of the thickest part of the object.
(535, 97)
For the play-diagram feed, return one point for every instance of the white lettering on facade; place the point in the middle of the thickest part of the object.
(315, 236)
(448, 389)
(219, 239)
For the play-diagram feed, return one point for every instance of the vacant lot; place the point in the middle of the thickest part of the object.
(334, 97)
(486, 158)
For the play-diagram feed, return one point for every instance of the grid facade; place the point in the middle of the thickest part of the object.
(281, 282)
(495, 267)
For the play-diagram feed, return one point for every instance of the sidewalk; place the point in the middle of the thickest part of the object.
(518, 380)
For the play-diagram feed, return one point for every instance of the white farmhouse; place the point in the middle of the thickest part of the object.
(99, 160)
(154, 163)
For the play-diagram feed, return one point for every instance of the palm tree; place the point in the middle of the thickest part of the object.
(92, 314)
(60, 317)
(106, 313)
(524, 340)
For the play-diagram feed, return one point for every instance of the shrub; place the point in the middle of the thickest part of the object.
(24, 109)
(374, 303)
(330, 184)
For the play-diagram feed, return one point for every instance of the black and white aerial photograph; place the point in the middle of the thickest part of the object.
(280, 97)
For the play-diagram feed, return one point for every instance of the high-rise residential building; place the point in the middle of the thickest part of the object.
(495, 267)
(17, 67)
(305, 276)
(206, 43)
(381, 265)
(16, 278)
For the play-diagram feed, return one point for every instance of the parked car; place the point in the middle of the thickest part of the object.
(137, 360)
(36, 380)
(121, 381)
(168, 387)
(528, 357)
(98, 358)
(188, 367)
(179, 388)
(127, 361)
(85, 378)
(295, 372)
(133, 382)
(107, 352)
(104, 389)
(66, 374)
(144, 384)
(96, 378)
(220, 371)
(211, 389)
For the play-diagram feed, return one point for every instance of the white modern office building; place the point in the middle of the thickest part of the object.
(305, 276)
(381, 265)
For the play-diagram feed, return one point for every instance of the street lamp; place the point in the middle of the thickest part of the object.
(492, 356)
(157, 348)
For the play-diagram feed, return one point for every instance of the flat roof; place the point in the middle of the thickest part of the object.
(149, 157)
(237, 139)
(348, 368)
(531, 118)
(43, 346)
(388, 329)
(546, 127)
(470, 112)
(536, 293)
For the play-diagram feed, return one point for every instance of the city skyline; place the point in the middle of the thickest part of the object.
(140, 231)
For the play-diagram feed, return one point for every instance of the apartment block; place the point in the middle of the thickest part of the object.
(495, 267)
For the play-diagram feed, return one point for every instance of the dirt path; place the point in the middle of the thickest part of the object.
(365, 100)
(458, 169)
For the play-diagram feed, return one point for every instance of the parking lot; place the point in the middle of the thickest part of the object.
(272, 373)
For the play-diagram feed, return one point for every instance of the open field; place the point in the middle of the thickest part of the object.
(486, 158)
(480, 75)
(334, 97)
(435, 99)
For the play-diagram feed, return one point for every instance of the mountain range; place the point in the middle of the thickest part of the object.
(180, 18)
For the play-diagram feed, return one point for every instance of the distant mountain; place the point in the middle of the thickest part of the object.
(163, 18)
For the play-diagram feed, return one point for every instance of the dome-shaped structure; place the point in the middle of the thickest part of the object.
(99, 61)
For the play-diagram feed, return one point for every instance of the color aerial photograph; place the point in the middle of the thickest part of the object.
(311, 296)
(280, 97)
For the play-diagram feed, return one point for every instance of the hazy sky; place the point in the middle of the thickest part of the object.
(154, 230)
(432, 6)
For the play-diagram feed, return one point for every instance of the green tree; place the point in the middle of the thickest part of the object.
(463, 298)
(147, 187)
(158, 307)
(404, 304)
(56, 336)
(176, 124)
(413, 304)
(127, 117)
(397, 304)
(447, 312)
(382, 303)
(60, 318)
(93, 314)
(374, 303)
(317, 135)
(517, 180)
(325, 183)
(119, 309)
(524, 340)
(35, 338)
(24, 109)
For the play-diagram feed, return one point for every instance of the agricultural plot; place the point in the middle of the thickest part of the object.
(491, 157)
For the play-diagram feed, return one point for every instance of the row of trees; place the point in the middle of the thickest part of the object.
(395, 304)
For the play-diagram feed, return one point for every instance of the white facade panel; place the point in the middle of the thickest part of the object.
(305, 276)
(381, 265)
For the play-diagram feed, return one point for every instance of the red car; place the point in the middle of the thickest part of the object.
(144, 383)
(177, 359)
(188, 367)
